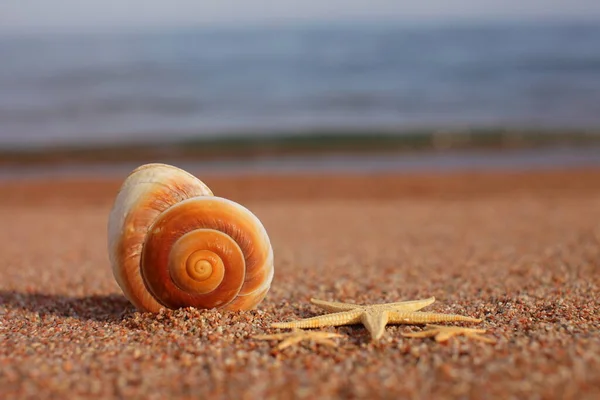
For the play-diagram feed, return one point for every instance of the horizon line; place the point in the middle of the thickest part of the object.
(287, 23)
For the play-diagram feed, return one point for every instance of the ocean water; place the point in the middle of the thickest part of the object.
(115, 87)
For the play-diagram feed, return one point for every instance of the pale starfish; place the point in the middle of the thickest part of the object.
(374, 317)
(298, 335)
(443, 333)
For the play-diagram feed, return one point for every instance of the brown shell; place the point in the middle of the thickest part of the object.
(173, 244)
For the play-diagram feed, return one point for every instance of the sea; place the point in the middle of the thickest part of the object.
(180, 83)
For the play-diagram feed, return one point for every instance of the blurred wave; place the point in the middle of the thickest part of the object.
(108, 88)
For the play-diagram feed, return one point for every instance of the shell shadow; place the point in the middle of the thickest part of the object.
(102, 308)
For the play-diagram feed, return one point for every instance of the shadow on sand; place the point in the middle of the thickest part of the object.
(102, 308)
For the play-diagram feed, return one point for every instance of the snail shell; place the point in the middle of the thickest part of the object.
(173, 244)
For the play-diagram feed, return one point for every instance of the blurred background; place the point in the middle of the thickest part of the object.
(276, 85)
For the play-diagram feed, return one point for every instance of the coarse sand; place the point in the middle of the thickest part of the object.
(519, 249)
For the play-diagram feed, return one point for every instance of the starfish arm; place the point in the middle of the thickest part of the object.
(482, 339)
(442, 333)
(326, 342)
(341, 318)
(413, 305)
(461, 329)
(375, 323)
(326, 335)
(418, 317)
(334, 306)
(290, 341)
(443, 336)
(276, 336)
(422, 334)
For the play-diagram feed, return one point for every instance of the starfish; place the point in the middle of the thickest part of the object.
(298, 335)
(374, 317)
(443, 333)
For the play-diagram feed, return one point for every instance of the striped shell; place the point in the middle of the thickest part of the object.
(173, 244)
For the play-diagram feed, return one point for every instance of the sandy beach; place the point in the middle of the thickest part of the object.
(519, 249)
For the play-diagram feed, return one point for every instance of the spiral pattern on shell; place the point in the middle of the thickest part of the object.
(173, 244)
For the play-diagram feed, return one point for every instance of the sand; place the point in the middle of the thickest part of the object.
(521, 250)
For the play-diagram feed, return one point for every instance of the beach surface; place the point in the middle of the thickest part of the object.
(519, 249)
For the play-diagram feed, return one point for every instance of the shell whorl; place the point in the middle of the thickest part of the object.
(173, 244)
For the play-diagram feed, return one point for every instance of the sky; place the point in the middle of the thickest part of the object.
(41, 15)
